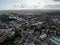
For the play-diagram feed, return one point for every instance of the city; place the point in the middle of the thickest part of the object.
(42, 28)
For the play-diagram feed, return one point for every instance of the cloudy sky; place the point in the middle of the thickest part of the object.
(29, 4)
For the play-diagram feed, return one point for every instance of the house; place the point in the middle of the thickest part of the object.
(43, 36)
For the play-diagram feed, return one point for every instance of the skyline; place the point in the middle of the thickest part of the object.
(29, 4)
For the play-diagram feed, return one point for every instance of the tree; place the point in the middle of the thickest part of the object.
(17, 32)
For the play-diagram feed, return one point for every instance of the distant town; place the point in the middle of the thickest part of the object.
(29, 27)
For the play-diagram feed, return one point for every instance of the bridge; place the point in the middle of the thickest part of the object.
(55, 40)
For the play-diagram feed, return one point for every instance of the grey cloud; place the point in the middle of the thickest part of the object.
(16, 5)
(56, 0)
(38, 3)
(22, 6)
(53, 6)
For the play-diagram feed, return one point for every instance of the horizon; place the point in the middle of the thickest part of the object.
(29, 4)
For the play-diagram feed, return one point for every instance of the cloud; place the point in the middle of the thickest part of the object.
(35, 5)
(56, 0)
(8, 7)
(57, 6)
(23, 6)
(15, 5)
